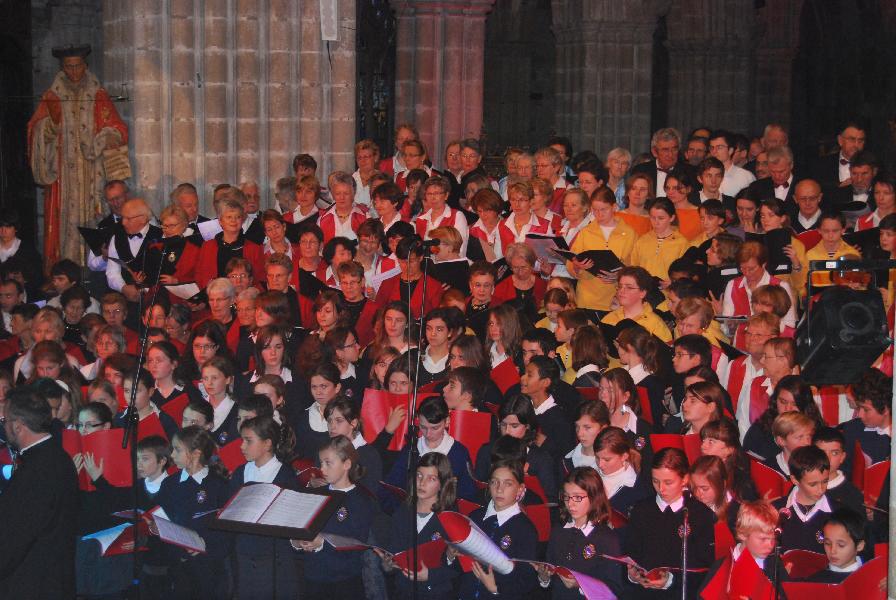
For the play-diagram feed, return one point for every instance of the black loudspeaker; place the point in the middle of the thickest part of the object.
(843, 335)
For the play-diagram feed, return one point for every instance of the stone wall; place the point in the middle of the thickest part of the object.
(225, 91)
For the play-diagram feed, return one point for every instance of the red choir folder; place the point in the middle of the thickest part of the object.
(532, 483)
(809, 238)
(689, 443)
(540, 515)
(375, 409)
(119, 395)
(868, 583)
(465, 507)
(742, 579)
(589, 393)
(175, 408)
(105, 446)
(231, 455)
(724, 539)
(470, 428)
(652, 573)
(150, 425)
(430, 388)
(873, 480)
(617, 519)
(115, 540)
(396, 491)
(505, 375)
(769, 483)
(802, 564)
(429, 554)
(646, 409)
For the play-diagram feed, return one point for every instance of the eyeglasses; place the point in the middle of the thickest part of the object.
(205, 347)
(575, 499)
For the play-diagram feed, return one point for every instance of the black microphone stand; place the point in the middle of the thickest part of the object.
(411, 439)
(132, 420)
(776, 564)
(685, 527)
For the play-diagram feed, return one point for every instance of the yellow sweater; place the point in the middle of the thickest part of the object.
(656, 255)
(591, 292)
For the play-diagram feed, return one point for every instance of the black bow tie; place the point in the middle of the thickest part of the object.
(843, 161)
(784, 185)
(135, 235)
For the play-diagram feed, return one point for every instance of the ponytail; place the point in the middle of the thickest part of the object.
(282, 436)
(345, 450)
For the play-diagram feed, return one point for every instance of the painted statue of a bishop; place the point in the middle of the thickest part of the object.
(76, 141)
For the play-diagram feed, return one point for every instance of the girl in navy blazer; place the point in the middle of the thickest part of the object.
(332, 574)
(265, 565)
(191, 498)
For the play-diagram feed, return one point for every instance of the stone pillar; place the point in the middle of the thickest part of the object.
(778, 24)
(711, 81)
(440, 52)
(224, 91)
(603, 76)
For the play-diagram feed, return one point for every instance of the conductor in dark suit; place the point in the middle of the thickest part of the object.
(780, 183)
(39, 508)
(832, 170)
(664, 145)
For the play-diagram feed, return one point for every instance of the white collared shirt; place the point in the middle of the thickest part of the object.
(5, 253)
(153, 486)
(586, 530)
(781, 191)
(632, 423)
(422, 521)
(519, 235)
(113, 269)
(343, 228)
(362, 193)
(789, 319)
(221, 411)
(676, 506)
(545, 406)
(624, 477)
(198, 476)
(503, 515)
(836, 479)
(358, 441)
(443, 448)
(316, 418)
(263, 474)
(842, 170)
(782, 463)
(452, 217)
(855, 566)
(821, 506)
(808, 222)
(735, 179)
(266, 247)
(492, 238)
(349, 372)
(638, 372)
(496, 357)
(434, 366)
(879, 430)
(33, 444)
(592, 368)
(298, 216)
(580, 459)
(285, 375)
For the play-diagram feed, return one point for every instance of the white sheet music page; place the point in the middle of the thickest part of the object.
(250, 503)
(293, 509)
(178, 535)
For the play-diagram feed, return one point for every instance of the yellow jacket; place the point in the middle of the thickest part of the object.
(656, 255)
(648, 319)
(591, 292)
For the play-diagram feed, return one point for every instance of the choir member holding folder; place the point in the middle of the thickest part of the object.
(435, 493)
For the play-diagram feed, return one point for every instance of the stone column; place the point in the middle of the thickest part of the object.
(778, 24)
(603, 75)
(711, 46)
(440, 52)
(224, 91)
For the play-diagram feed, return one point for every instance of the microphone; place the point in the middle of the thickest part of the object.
(429, 246)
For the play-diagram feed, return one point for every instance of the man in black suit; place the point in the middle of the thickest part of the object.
(664, 145)
(854, 197)
(832, 171)
(780, 183)
(186, 197)
(805, 215)
(39, 508)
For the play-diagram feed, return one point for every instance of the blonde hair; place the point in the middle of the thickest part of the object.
(786, 423)
(756, 516)
(448, 234)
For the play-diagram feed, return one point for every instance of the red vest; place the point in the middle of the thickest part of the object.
(737, 370)
(758, 398)
(739, 295)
